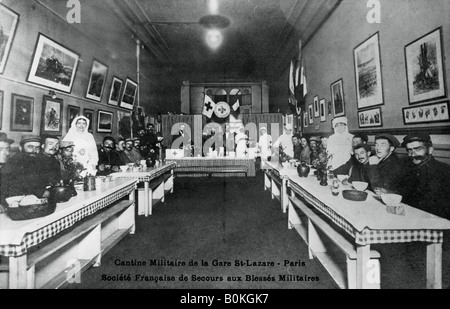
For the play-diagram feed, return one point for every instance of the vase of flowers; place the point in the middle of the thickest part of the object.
(321, 164)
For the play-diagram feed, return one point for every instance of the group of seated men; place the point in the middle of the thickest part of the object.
(44, 161)
(422, 180)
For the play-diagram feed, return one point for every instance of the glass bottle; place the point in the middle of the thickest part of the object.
(335, 187)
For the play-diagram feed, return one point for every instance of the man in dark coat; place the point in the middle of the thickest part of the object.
(50, 168)
(426, 183)
(389, 169)
(108, 159)
(21, 175)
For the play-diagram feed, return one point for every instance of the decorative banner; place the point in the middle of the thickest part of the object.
(222, 109)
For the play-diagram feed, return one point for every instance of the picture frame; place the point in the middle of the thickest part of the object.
(129, 94)
(51, 120)
(310, 114)
(72, 113)
(323, 117)
(104, 121)
(370, 118)
(429, 113)
(22, 112)
(114, 94)
(8, 23)
(305, 119)
(1, 108)
(337, 98)
(97, 80)
(89, 114)
(425, 72)
(316, 106)
(56, 71)
(368, 75)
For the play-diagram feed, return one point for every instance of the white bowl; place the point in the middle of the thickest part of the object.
(391, 199)
(341, 177)
(360, 185)
(123, 168)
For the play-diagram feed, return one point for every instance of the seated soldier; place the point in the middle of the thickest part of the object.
(314, 146)
(426, 182)
(50, 168)
(120, 149)
(108, 159)
(305, 155)
(133, 155)
(23, 171)
(386, 168)
(297, 146)
(70, 170)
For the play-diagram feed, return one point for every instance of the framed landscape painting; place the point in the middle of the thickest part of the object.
(367, 61)
(22, 110)
(53, 65)
(104, 122)
(97, 81)
(425, 70)
(337, 98)
(51, 116)
(129, 94)
(8, 25)
(114, 95)
(311, 114)
(305, 119)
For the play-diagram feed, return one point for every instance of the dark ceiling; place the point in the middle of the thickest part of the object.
(259, 36)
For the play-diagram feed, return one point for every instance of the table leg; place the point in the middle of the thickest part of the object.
(146, 202)
(434, 266)
(18, 272)
(362, 261)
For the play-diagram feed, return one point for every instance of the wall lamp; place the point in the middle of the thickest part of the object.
(52, 94)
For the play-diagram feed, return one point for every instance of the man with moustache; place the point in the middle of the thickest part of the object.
(426, 183)
(50, 168)
(21, 174)
(132, 153)
(108, 159)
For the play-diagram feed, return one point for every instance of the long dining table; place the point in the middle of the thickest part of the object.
(367, 222)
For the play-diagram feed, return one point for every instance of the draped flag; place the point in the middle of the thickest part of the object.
(298, 77)
(208, 107)
(234, 101)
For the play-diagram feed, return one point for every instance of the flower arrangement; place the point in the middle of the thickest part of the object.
(321, 163)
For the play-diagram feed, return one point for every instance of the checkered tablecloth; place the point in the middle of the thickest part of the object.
(33, 233)
(369, 236)
(147, 174)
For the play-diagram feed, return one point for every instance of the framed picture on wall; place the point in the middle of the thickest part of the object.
(316, 106)
(114, 94)
(305, 120)
(8, 24)
(89, 114)
(311, 114)
(53, 65)
(337, 98)
(51, 120)
(129, 94)
(22, 110)
(425, 70)
(72, 112)
(104, 121)
(370, 118)
(367, 62)
(97, 81)
(435, 112)
(323, 117)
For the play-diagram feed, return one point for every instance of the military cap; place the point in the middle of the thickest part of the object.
(394, 141)
(416, 137)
